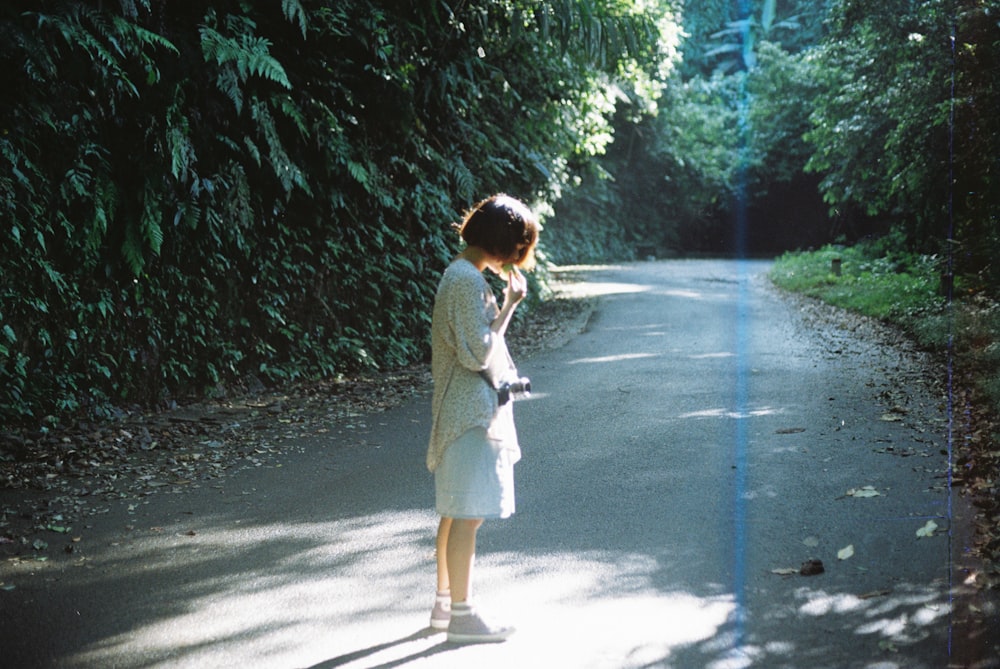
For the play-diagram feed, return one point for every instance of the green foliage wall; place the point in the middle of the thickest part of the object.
(905, 126)
(196, 194)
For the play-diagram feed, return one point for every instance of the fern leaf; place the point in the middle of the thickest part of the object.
(465, 182)
(143, 36)
(239, 60)
(188, 213)
(358, 171)
(132, 251)
(182, 153)
(293, 113)
(295, 13)
(229, 84)
(252, 149)
(211, 44)
(259, 61)
(152, 230)
(105, 203)
(239, 198)
(77, 35)
(221, 50)
(289, 174)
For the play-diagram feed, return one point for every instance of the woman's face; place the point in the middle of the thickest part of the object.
(496, 265)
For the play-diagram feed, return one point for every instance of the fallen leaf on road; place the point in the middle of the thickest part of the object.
(927, 530)
(785, 571)
(864, 491)
(875, 593)
(895, 414)
(812, 542)
(888, 646)
(812, 568)
(846, 552)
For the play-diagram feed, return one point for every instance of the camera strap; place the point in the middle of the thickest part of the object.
(489, 381)
(501, 400)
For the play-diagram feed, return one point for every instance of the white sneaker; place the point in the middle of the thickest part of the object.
(441, 613)
(467, 626)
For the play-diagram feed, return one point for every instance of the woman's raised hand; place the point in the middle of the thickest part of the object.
(517, 285)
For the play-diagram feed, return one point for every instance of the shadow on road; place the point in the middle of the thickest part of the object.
(349, 658)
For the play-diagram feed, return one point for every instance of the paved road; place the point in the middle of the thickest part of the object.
(698, 435)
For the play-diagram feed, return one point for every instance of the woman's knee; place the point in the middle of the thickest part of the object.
(469, 524)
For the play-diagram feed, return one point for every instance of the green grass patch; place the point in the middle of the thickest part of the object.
(898, 290)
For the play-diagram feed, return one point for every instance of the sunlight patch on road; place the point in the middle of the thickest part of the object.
(584, 289)
(613, 358)
(678, 292)
(566, 283)
(728, 413)
(309, 583)
(597, 609)
(357, 593)
(903, 617)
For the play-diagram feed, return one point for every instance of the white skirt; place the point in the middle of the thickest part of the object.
(476, 478)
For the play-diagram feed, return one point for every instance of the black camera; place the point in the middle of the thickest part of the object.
(518, 389)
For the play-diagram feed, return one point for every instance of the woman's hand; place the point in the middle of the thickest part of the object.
(517, 285)
(515, 291)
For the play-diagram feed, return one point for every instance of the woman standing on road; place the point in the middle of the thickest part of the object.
(473, 443)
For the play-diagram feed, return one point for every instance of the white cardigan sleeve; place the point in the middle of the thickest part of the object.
(470, 308)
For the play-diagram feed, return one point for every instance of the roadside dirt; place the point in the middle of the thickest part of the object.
(970, 431)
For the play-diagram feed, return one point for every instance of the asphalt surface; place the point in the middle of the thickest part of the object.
(684, 455)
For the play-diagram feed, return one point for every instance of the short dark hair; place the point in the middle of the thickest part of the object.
(504, 227)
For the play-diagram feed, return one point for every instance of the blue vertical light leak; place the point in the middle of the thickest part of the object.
(741, 443)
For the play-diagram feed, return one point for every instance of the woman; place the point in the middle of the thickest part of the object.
(473, 443)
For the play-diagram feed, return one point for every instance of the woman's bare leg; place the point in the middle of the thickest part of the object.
(460, 556)
(444, 528)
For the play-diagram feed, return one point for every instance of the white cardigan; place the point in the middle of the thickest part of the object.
(462, 346)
